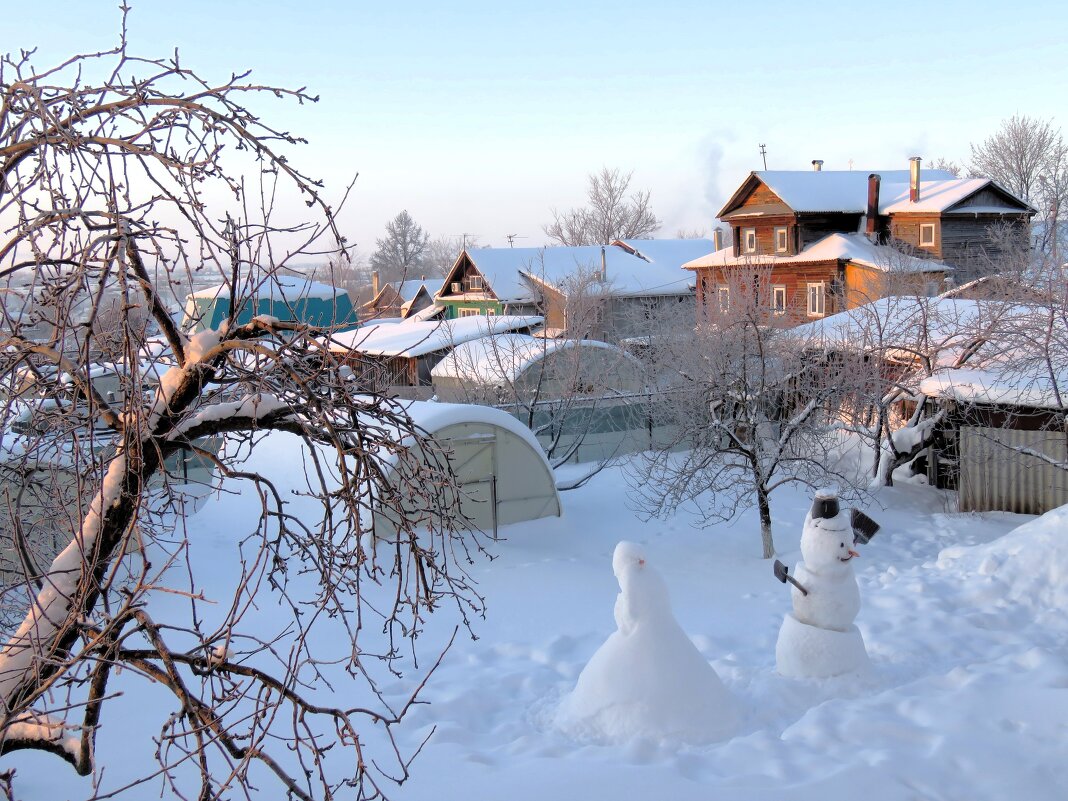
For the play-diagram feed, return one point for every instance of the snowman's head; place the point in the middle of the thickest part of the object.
(628, 555)
(827, 539)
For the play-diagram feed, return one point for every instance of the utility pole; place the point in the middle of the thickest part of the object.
(764, 155)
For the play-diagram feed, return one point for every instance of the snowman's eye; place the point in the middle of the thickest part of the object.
(841, 545)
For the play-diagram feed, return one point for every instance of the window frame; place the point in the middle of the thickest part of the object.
(931, 228)
(746, 233)
(784, 232)
(816, 290)
(475, 283)
(468, 311)
(778, 290)
(723, 298)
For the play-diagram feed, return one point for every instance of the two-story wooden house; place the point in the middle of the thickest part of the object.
(821, 241)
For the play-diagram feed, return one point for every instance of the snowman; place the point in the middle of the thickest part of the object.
(818, 639)
(647, 679)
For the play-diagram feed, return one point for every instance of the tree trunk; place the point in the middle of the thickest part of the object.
(764, 505)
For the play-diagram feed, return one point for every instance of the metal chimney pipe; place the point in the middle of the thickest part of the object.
(817, 165)
(374, 284)
(604, 265)
(914, 179)
(717, 239)
(872, 211)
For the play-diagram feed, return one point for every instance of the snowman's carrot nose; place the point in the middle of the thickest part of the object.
(853, 553)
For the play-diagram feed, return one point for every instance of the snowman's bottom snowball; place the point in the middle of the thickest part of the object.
(651, 683)
(808, 652)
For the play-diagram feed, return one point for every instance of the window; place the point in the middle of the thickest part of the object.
(749, 242)
(778, 299)
(475, 282)
(456, 287)
(467, 312)
(927, 235)
(781, 240)
(815, 299)
(490, 312)
(724, 294)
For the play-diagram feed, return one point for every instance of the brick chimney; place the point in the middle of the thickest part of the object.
(817, 165)
(872, 210)
(914, 179)
(717, 238)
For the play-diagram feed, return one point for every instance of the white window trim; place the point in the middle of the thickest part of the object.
(816, 291)
(475, 282)
(785, 235)
(779, 290)
(927, 228)
(467, 311)
(723, 298)
(746, 234)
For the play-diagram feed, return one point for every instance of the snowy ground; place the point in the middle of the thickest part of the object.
(964, 620)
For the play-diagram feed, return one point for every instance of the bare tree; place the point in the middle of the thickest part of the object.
(752, 409)
(113, 183)
(402, 253)
(1028, 156)
(441, 253)
(610, 213)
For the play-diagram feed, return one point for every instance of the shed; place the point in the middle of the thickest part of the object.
(502, 473)
(1005, 437)
(289, 298)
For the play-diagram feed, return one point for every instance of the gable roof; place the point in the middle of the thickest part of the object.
(846, 191)
(855, 248)
(413, 338)
(654, 270)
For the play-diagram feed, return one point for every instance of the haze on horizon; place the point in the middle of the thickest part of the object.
(480, 119)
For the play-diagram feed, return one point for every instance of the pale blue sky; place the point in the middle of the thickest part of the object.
(479, 116)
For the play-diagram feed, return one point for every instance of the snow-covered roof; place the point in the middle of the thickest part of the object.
(286, 287)
(847, 191)
(935, 196)
(508, 271)
(501, 267)
(832, 190)
(504, 357)
(900, 321)
(856, 248)
(412, 338)
(409, 289)
(996, 386)
(669, 252)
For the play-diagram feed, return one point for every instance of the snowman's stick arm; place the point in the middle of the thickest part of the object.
(782, 573)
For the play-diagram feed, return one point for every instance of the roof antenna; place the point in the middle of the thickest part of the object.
(512, 238)
(764, 155)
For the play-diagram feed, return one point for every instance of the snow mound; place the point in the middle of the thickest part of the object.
(647, 680)
(1029, 565)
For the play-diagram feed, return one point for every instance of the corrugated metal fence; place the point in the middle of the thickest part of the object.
(996, 473)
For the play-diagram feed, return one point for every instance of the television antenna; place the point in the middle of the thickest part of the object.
(512, 238)
(764, 155)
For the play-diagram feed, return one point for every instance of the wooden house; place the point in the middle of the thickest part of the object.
(599, 292)
(399, 300)
(823, 241)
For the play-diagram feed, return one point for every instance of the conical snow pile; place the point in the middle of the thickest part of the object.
(819, 638)
(648, 679)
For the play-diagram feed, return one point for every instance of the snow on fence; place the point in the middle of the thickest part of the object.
(997, 473)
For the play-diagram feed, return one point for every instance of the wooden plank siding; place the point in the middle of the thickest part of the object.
(794, 277)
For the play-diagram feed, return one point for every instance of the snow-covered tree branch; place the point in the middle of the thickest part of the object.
(124, 183)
